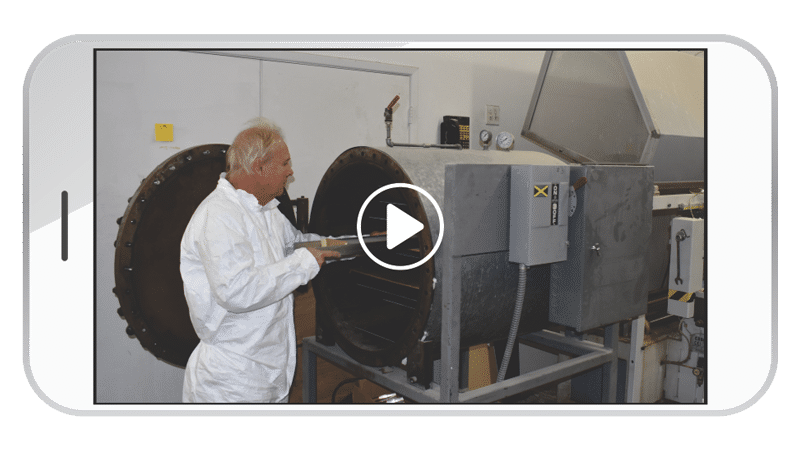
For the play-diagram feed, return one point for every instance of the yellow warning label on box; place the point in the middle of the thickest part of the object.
(164, 132)
(680, 296)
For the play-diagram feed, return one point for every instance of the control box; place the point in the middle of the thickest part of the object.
(539, 212)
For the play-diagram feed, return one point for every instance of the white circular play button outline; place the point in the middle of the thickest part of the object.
(361, 215)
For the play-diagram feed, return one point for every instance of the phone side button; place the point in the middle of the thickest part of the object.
(64, 225)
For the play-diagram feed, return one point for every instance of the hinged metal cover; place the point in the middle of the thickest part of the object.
(616, 107)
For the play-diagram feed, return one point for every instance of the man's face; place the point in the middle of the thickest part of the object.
(274, 174)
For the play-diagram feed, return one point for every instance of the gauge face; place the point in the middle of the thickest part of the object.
(505, 140)
(486, 137)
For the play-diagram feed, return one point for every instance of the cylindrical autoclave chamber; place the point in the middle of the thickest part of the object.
(376, 314)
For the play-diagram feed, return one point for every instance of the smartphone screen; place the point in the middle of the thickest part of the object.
(115, 128)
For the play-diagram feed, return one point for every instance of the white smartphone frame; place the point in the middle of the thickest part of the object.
(59, 296)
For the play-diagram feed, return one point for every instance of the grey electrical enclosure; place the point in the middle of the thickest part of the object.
(636, 107)
(603, 279)
(539, 204)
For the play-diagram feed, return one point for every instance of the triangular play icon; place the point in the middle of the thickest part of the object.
(399, 226)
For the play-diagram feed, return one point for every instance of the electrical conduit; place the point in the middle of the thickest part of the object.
(512, 334)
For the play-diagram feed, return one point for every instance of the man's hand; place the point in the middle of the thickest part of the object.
(320, 255)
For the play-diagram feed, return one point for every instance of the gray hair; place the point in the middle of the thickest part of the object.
(251, 145)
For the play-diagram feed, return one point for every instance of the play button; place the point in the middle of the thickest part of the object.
(400, 226)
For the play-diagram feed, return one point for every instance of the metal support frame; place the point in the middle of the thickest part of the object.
(310, 369)
(451, 322)
(588, 355)
(610, 368)
(633, 391)
(678, 201)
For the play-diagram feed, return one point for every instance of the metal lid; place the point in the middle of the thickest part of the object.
(616, 107)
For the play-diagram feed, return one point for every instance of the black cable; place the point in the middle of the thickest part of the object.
(336, 389)
(666, 275)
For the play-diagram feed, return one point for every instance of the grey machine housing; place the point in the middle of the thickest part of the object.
(595, 272)
(626, 121)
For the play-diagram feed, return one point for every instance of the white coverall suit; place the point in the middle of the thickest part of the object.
(238, 282)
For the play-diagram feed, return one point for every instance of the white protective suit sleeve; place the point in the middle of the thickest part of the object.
(292, 236)
(237, 281)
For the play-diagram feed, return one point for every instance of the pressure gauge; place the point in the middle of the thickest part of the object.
(505, 140)
(486, 138)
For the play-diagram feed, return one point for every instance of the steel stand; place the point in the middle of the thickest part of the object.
(588, 355)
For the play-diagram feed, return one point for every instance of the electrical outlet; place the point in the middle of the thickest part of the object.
(492, 115)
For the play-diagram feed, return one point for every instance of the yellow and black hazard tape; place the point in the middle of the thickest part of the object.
(681, 296)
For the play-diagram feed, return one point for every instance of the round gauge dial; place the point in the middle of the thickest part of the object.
(486, 138)
(505, 140)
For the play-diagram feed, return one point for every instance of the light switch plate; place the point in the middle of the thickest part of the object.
(492, 115)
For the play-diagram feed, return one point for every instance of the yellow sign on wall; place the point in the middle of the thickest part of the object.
(164, 132)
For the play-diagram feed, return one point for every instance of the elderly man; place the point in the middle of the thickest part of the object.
(239, 270)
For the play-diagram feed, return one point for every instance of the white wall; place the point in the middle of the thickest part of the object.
(462, 83)
(209, 98)
(324, 111)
